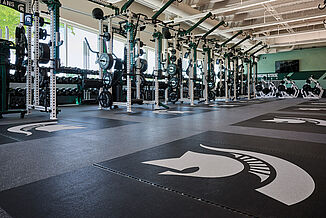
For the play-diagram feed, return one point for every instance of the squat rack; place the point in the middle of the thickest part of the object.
(132, 32)
(34, 104)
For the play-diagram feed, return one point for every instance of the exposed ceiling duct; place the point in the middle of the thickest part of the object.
(183, 10)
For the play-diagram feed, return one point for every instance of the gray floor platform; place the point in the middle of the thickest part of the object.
(74, 165)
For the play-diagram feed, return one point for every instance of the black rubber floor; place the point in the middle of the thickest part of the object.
(94, 192)
(291, 122)
(233, 104)
(231, 170)
(211, 174)
(173, 112)
(34, 130)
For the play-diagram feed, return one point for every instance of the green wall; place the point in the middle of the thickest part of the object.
(312, 62)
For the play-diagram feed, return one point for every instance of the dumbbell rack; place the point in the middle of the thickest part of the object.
(4, 62)
(80, 81)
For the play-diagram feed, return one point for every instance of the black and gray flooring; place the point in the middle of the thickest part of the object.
(262, 158)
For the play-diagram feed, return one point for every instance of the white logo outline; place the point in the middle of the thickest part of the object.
(52, 126)
(290, 185)
(297, 120)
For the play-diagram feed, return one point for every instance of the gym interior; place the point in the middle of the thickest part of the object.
(162, 108)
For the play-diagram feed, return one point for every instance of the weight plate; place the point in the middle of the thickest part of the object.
(259, 88)
(306, 88)
(173, 97)
(290, 91)
(281, 88)
(105, 61)
(211, 95)
(172, 69)
(143, 65)
(316, 91)
(266, 91)
(174, 82)
(107, 80)
(173, 58)
(105, 99)
(211, 84)
(44, 53)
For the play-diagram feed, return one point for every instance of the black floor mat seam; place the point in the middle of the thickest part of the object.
(116, 172)
(10, 137)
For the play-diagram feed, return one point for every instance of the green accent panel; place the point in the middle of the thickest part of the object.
(305, 75)
(310, 59)
(312, 62)
(299, 77)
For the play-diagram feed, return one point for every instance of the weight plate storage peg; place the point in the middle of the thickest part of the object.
(174, 82)
(172, 69)
(105, 61)
(105, 99)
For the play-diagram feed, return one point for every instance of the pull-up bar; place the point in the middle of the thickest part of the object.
(213, 29)
(259, 43)
(126, 5)
(230, 39)
(265, 46)
(197, 24)
(159, 12)
(233, 47)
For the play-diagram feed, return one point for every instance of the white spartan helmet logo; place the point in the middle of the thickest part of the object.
(290, 185)
(297, 120)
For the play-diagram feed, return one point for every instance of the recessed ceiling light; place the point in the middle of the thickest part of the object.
(113, 1)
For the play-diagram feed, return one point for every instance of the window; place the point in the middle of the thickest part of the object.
(200, 69)
(76, 54)
(118, 48)
(217, 71)
(62, 49)
(185, 66)
(150, 60)
(9, 18)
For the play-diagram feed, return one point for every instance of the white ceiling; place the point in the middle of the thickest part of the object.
(279, 23)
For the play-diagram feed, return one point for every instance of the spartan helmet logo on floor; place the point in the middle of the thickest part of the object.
(297, 120)
(288, 184)
(52, 126)
(311, 109)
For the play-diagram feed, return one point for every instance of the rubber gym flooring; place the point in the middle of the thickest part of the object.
(263, 158)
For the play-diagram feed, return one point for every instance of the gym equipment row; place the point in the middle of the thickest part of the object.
(288, 89)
